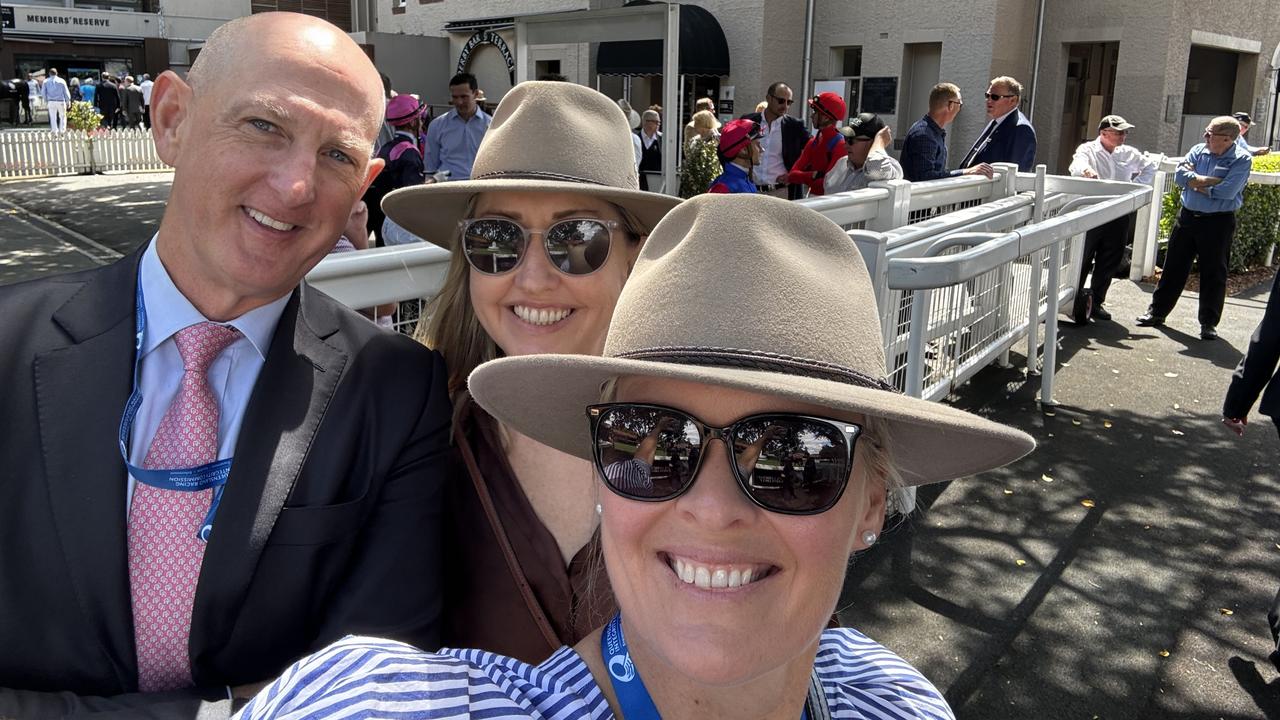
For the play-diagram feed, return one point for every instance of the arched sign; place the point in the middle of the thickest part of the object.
(487, 37)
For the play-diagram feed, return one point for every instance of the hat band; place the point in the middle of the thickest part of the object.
(758, 360)
(536, 175)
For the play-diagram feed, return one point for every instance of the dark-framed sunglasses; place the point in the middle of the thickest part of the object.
(993, 97)
(786, 463)
(784, 101)
(576, 246)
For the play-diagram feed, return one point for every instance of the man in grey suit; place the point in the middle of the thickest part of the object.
(211, 469)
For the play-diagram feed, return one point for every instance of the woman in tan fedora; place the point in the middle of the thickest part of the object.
(543, 237)
(744, 440)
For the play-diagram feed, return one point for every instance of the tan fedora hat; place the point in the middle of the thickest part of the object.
(545, 137)
(755, 293)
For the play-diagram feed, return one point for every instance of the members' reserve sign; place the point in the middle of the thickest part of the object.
(23, 20)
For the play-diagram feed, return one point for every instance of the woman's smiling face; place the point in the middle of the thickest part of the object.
(536, 308)
(791, 568)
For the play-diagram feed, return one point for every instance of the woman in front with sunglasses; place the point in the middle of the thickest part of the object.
(753, 439)
(543, 237)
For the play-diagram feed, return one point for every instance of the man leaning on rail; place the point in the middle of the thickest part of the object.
(211, 469)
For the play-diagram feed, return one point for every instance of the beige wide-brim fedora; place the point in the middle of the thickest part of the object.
(755, 293)
(545, 137)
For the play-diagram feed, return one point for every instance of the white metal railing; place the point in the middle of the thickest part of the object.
(42, 153)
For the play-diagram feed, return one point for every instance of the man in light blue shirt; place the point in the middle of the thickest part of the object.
(56, 98)
(453, 138)
(1212, 178)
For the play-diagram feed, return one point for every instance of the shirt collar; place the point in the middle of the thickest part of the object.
(169, 311)
(1002, 117)
(928, 119)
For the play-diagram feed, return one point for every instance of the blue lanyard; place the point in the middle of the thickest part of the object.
(210, 475)
(633, 696)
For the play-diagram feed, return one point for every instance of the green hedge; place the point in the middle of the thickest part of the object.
(1256, 223)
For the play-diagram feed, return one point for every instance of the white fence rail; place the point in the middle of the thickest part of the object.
(41, 153)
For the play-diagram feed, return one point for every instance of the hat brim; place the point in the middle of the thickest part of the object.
(545, 397)
(432, 211)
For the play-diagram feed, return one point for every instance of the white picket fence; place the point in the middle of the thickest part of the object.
(41, 153)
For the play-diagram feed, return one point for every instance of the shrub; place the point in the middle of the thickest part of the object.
(1256, 222)
(83, 116)
(700, 168)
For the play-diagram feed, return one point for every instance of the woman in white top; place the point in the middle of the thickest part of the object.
(744, 368)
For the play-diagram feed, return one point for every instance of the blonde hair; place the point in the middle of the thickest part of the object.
(449, 323)
(1012, 86)
(705, 120)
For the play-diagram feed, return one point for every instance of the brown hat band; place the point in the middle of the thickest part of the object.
(758, 360)
(535, 175)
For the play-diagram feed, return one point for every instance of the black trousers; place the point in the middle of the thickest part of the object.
(1208, 239)
(1273, 619)
(1103, 250)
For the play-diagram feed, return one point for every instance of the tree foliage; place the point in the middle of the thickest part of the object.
(83, 116)
(700, 168)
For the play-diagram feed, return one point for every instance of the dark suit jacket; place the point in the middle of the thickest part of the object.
(1257, 368)
(329, 524)
(794, 138)
(1014, 141)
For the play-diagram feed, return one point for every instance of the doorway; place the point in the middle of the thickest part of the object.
(921, 67)
(1088, 95)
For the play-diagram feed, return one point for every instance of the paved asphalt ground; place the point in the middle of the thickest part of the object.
(1123, 570)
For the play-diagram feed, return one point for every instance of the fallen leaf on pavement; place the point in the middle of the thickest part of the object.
(1046, 478)
(1075, 422)
(1176, 406)
(1178, 432)
(1115, 371)
(1171, 374)
(1007, 491)
(1087, 503)
(1020, 562)
(1106, 423)
(1050, 414)
(1164, 653)
(1226, 611)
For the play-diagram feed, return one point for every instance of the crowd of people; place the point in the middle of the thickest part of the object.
(229, 493)
(122, 102)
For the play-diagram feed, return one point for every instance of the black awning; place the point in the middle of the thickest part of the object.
(703, 50)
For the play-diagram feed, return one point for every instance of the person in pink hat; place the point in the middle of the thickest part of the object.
(825, 148)
(739, 150)
(402, 155)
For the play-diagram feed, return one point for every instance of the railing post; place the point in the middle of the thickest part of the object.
(916, 333)
(1033, 281)
(1051, 325)
(1151, 233)
(872, 246)
(894, 211)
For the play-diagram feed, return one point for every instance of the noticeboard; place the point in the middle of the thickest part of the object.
(880, 95)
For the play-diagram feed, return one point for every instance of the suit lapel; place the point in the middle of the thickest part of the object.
(81, 389)
(286, 408)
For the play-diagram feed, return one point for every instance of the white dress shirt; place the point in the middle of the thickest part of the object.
(771, 164)
(231, 376)
(1125, 163)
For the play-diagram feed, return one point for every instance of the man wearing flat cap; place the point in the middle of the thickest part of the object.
(865, 161)
(1106, 157)
(1245, 122)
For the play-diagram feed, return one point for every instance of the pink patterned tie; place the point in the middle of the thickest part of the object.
(164, 552)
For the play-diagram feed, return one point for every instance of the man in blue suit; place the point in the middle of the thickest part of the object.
(1008, 136)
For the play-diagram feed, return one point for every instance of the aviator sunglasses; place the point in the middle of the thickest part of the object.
(577, 246)
(784, 462)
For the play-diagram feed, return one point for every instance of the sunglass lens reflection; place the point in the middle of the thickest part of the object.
(493, 246)
(791, 465)
(647, 453)
(578, 247)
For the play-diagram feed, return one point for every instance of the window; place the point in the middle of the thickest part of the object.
(848, 61)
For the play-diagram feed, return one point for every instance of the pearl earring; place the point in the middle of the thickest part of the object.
(599, 509)
(869, 537)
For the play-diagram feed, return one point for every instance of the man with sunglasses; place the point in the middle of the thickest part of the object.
(782, 139)
(1008, 137)
(924, 148)
(1106, 157)
(865, 159)
(825, 148)
(1212, 178)
(1246, 121)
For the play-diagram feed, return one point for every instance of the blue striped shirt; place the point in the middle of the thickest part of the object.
(1232, 167)
(368, 678)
